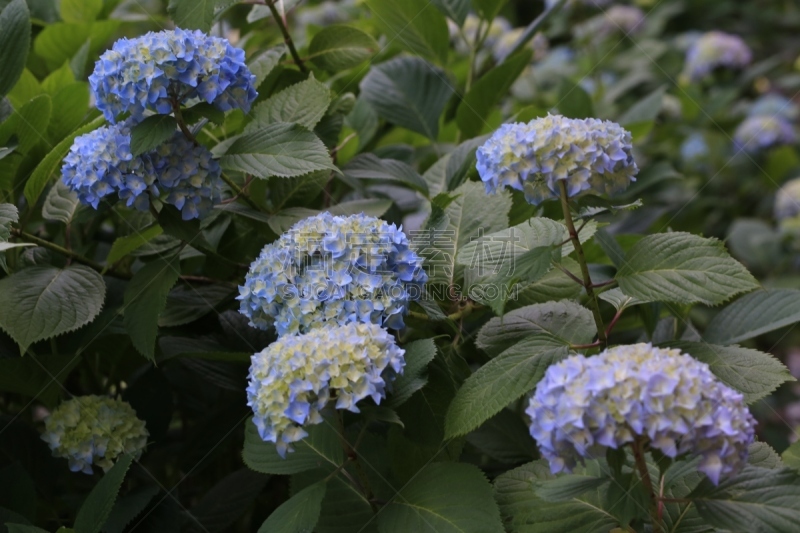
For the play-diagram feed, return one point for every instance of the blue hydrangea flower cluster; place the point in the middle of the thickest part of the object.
(715, 49)
(293, 379)
(584, 405)
(587, 154)
(694, 149)
(787, 201)
(94, 430)
(178, 172)
(625, 20)
(775, 105)
(159, 69)
(333, 270)
(757, 133)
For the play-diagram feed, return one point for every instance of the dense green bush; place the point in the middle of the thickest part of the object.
(394, 213)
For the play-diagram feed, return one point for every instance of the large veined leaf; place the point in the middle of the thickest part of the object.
(418, 354)
(80, 10)
(502, 380)
(344, 507)
(32, 121)
(130, 243)
(470, 215)
(15, 40)
(34, 377)
(567, 321)
(280, 149)
(484, 96)
(336, 48)
(369, 166)
(756, 500)
(457, 10)
(753, 315)
(193, 14)
(97, 506)
(450, 171)
(682, 268)
(8, 216)
(262, 64)
(41, 302)
(791, 456)
(128, 507)
(524, 512)
(151, 132)
(303, 103)
(298, 514)
(60, 203)
(443, 498)
(187, 304)
(145, 299)
(755, 374)
(408, 92)
(228, 500)
(415, 25)
(321, 449)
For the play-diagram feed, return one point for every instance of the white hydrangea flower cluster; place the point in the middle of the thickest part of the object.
(715, 49)
(94, 430)
(787, 203)
(293, 379)
(333, 270)
(584, 405)
(587, 154)
(624, 20)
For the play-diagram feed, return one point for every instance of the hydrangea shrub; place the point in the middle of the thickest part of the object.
(397, 266)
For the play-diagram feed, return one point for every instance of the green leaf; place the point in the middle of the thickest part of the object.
(152, 132)
(41, 302)
(620, 300)
(9, 215)
(193, 14)
(15, 40)
(791, 456)
(283, 191)
(61, 41)
(682, 268)
(321, 449)
(228, 500)
(336, 48)
(762, 455)
(574, 101)
(60, 203)
(457, 10)
(471, 214)
(505, 438)
(298, 514)
(262, 64)
(146, 298)
(33, 376)
(502, 380)
(488, 9)
(32, 122)
(757, 500)
(130, 243)
(203, 110)
(18, 491)
(98, 504)
(71, 104)
(284, 150)
(129, 507)
(408, 92)
(303, 103)
(567, 321)
(567, 487)
(640, 117)
(58, 79)
(80, 10)
(487, 92)
(41, 174)
(418, 355)
(755, 374)
(753, 315)
(414, 25)
(524, 512)
(369, 166)
(186, 304)
(443, 498)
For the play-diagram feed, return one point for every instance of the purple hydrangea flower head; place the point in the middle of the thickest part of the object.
(787, 201)
(584, 405)
(715, 49)
(761, 132)
(625, 20)
(94, 430)
(333, 270)
(775, 105)
(297, 376)
(158, 69)
(178, 172)
(586, 154)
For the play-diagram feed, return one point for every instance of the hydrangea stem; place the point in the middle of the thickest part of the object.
(644, 474)
(587, 278)
(287, 38)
